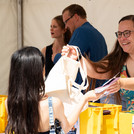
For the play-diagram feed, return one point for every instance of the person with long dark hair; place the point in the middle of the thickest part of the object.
(27, 103)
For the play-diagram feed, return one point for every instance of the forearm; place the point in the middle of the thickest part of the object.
(73, 117)
(91, 72)
(126, 83)
(89, 96)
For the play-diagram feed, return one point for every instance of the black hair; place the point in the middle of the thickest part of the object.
(26, 87)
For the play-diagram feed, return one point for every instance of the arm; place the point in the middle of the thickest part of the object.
(68, 122)
(89, 96)
(44, 53)
(6, 105)
(126, 83)
(92, 73)
(122, 83)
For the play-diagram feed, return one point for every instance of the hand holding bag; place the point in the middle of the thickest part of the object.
(61, 82)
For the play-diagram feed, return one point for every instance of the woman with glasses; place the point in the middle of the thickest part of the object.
(61, 37)
(120, 60)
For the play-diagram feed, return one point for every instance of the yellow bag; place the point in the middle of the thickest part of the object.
(3, 113)
(125, 122)
(92, 120)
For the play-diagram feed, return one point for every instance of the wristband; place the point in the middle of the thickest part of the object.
(79, 54)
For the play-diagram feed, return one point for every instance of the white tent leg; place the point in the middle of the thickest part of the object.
(19, 24)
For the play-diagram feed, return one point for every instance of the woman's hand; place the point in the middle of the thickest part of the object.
(70, 52)
(114, 87)
(92, 96)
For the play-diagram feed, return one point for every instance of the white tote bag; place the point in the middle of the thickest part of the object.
(61, 83)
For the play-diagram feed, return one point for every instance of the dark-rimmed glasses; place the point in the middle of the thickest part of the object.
(68, 19)
(126, 34)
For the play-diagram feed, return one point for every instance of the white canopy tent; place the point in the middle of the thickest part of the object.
(27, 23)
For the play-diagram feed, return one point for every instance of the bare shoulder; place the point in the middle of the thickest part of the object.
(57, 103)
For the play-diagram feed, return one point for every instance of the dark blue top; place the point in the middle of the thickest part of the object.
(90, 41)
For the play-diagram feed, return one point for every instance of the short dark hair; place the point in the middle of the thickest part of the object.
(76, 9)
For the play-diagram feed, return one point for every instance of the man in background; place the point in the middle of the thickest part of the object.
(90, 41)
(84, 35)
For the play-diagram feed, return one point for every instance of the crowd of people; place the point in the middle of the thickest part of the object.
(28, 104)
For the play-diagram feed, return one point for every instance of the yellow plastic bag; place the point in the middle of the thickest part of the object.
(93, 121)
(125, 122)
(3, 113)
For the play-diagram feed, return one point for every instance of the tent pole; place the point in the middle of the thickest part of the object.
(19, 24)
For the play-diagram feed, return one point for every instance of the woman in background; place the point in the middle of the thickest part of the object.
(61, 38)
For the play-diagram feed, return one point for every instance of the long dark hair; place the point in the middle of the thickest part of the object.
(26, 87)
(67, 34)
(113, 62)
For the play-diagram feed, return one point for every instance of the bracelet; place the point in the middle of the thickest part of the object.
(79, 54)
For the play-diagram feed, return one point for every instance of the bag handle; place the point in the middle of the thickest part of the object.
(83, 72)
